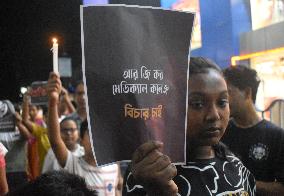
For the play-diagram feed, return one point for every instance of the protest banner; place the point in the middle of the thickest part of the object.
(38, 93)
(7, 119)
(135, 69)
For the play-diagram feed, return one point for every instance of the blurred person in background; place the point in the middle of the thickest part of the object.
(65, 106)
(39, 132)
(34, 114)
(80, 114)
(70, 135)
(15, 142)
(105, 180)
(257, 142)
(32, 151)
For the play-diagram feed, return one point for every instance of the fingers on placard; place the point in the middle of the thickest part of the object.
(145, 149)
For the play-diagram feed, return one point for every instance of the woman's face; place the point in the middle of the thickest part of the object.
(69, 133)
(237, 99)
(208, 108)
(80, 96)
(33, 111)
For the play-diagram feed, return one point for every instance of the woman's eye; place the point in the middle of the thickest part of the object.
(223, 103)
(196, 105)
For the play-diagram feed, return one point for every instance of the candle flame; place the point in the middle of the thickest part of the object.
(54, 40)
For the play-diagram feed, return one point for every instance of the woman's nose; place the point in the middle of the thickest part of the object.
(212, 114)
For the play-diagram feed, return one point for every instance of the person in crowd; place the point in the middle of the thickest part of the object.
(70, 135)
(3, 180)
(65, 105)
(80, 114)
(211, 169)
(53, 183)
(15, 141)
(21, 127)
(32, 151)
(102, 179)
(39, 132)
(258, 142)
(34, 115)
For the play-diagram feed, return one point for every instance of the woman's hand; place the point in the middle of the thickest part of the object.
(18, 118)
(154, 170)
(53, 88)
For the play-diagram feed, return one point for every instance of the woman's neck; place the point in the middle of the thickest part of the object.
(201, 152)
(72, 148)
(82, 114)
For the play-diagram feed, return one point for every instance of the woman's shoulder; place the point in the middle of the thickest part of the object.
(223, 156)
(224, 173)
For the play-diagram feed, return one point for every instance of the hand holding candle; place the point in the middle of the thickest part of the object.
(55, 55)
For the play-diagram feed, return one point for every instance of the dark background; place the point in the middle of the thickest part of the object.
(26, 32)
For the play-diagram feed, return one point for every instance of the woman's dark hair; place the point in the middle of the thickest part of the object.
(202, 65)
(68, 118)
(83, 128)
(58, 183)
(222, 150)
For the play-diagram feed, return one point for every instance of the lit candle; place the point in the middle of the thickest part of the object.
(55, 55)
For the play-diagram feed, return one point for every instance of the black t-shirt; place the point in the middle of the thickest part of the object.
(261, 149)
(215, 176)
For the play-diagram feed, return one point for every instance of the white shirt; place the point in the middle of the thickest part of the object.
(3, 150)
(50, 162)
(101, 179)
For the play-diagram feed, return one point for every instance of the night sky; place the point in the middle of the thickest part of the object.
(27, 28)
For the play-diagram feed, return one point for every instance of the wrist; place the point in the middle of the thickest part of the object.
(52, 103)
(65, 96)
(153, 190)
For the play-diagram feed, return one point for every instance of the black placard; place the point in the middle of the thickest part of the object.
(135, 63)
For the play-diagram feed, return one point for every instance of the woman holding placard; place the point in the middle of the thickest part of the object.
(210, 169)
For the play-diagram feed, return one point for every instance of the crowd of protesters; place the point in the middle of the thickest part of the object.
(55, 137)
(33, 149)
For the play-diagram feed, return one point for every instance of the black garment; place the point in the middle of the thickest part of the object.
(261, 149)
(224, 176)
(16, 179)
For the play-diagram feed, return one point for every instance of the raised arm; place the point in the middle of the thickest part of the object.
(25, 114)
(67, 101)
(22, 128)
(154, 170)
(57, 144)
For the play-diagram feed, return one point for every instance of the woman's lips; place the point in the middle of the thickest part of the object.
(212, 132)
